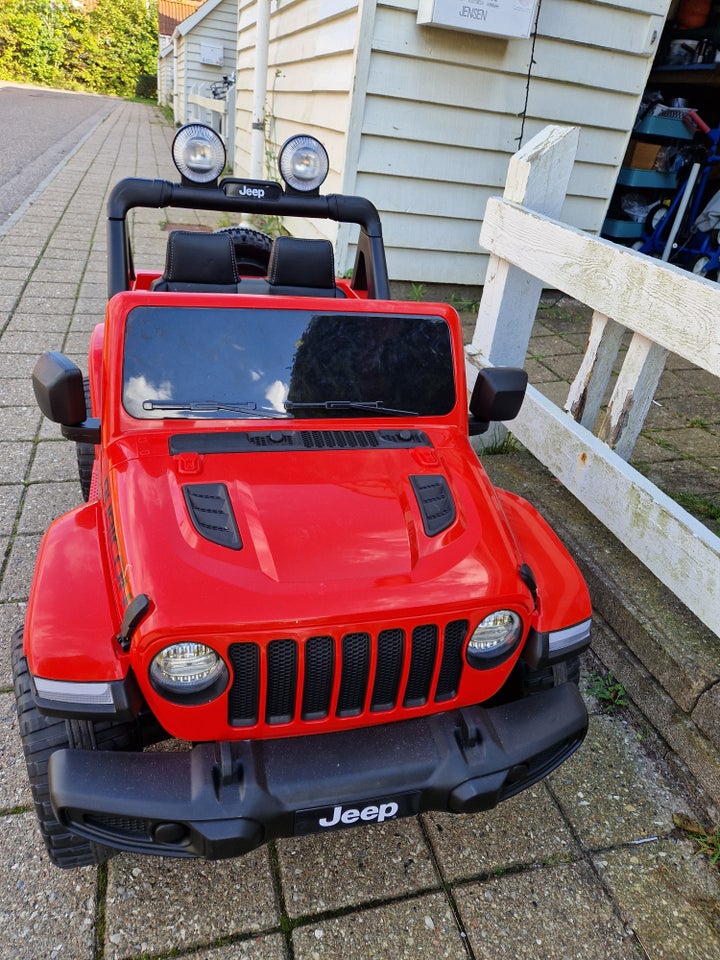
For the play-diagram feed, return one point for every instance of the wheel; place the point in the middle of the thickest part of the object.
(252, 250)
(85, 452)
(655, 217)
(699, 265)
(41, 736)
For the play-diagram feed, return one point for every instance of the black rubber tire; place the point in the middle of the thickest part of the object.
(41, 736)
(252, 250)
(85, 452)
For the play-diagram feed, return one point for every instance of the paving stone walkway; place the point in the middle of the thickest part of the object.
(586, 865)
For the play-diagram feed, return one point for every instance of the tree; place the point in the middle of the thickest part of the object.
(122, 45)
(56, 42)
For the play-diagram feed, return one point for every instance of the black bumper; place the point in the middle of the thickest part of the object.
(221, 800)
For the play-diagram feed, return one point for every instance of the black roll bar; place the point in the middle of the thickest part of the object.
(370, 270)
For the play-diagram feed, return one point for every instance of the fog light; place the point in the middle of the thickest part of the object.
(494, 638)
(186, 668)
(303, 163)
(199, 153)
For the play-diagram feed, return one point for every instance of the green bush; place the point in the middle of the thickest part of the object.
(146, 86)
(109, 49)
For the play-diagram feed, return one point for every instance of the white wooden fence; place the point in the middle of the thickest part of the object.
(667, 309)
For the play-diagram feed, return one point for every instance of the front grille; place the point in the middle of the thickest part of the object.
(345, 675)
(129, 826)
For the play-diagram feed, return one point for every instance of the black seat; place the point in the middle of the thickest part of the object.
(304, 268)
(199, 262)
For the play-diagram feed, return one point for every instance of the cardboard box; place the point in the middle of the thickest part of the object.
(641, 155)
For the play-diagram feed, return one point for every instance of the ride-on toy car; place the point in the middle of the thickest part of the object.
(290, 565)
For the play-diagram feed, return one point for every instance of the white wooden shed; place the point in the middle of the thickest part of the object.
(423, 119)
(204, 50)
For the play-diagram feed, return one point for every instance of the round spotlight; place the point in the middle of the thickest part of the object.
(303, 163)
(199, 153)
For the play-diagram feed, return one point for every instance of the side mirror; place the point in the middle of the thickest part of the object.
(60, 394)
(497, 395)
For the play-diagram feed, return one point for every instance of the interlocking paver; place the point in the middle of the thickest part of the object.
(328, 873)
(557, 913)
(155, 905)
(527, 829)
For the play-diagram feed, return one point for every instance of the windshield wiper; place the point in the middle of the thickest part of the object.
(204, 406)
(372, 406)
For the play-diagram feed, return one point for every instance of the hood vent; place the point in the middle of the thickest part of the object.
(435, 502)
(212, 515)
(284, 440)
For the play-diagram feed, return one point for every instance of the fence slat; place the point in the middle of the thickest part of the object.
(588, 390)
(634, 391)
(538, 176)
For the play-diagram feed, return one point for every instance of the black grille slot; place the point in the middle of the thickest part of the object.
(451, 665)
(319, 669)
(339, 439)
(245, 690)
(130, 826)
(355, 670)
(212, 514)
(388, 671)
(281, 681)
(435, 501)
(422, 664)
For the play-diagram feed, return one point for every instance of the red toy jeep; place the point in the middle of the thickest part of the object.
(290, 564)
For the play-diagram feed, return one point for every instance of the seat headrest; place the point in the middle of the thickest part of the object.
(302, 267)
(203, 262)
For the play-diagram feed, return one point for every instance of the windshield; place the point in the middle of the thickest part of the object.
(225, 363)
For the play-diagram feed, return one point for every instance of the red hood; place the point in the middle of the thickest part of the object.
(327, 535)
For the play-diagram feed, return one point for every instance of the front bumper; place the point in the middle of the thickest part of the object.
(222, 800)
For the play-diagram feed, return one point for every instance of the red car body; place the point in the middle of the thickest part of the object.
(337, 561)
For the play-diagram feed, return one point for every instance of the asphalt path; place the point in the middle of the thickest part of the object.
(40, 129)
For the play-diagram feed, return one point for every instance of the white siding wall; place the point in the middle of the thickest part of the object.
(424, 120)
(309, 83)
(219, 28)
(443, 116)
(165, 72)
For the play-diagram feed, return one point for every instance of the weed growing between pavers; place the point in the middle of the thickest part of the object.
(608, 690)
(706, 840)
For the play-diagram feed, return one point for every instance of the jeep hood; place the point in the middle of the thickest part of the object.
(273, 536)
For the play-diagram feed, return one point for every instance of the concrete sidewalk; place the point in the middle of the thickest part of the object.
(586, 865)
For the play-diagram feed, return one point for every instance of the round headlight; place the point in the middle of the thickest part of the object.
(199, 153)
(303, 163)
(494, 638)
(186, 668)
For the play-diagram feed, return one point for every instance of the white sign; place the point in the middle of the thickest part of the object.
(212, 54)
(500, 18)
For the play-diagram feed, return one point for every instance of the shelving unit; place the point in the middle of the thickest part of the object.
(662, 130)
